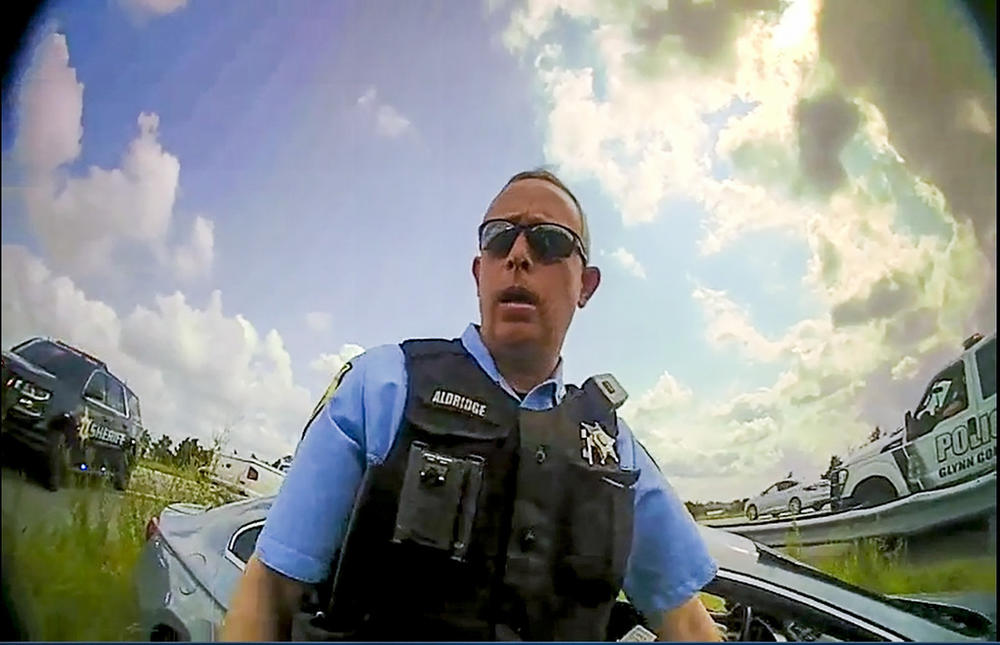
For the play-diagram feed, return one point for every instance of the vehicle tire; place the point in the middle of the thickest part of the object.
(795, 506)
(123, 472)
(873, 492)
(163, 634)
(56, 473)
(751, 513)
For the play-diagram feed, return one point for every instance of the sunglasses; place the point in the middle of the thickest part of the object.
(549, 242)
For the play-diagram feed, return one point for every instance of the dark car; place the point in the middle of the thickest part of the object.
(69, 412)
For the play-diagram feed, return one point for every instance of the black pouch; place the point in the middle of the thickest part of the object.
(437, 504)
(600, 533)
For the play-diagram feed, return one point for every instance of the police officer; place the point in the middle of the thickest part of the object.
(459, 490)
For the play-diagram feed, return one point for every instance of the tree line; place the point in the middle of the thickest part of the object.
(187, 454)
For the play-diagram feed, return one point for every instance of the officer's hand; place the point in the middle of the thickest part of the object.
(688, 622)
(263, 605)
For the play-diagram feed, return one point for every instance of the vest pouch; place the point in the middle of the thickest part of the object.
(599, 532)
(437, 503)
(481, 441)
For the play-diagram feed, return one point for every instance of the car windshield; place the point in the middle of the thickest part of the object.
(54, 358)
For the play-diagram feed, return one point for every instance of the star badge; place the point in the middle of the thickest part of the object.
(595, 439)
(86, 425)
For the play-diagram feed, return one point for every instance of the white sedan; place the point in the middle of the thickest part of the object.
(789, 496)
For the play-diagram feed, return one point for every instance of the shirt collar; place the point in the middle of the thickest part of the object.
(547, 394)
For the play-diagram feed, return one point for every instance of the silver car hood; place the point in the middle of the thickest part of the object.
(981, 602)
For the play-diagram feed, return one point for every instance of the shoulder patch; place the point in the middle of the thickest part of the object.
(328, 394)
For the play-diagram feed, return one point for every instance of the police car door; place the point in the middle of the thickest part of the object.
(118, 417)
(97, 416)
(937, 437)
(983, 389)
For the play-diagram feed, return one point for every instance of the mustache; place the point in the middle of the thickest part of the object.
(518, 293)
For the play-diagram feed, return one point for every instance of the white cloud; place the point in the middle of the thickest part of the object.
(194, 259)
(82, 220)
(51, 109)
(906, 368)
(196, 371)
(37, 302)
(629, 263)
(728, 323)
(330, 364)
(367, 99)
(389, 121)
(646, 138)
(667, 396)
(152, 8)
(319, 321)
(892, 300)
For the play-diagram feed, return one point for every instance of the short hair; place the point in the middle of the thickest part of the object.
(547, 175)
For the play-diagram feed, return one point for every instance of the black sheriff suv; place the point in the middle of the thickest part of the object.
(66, 408)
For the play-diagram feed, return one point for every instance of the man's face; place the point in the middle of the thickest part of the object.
(526, 305)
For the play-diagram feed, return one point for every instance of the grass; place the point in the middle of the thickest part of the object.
(169, 469)
(881, 565)
(71, 576)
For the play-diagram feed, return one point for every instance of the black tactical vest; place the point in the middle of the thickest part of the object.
(486, 521)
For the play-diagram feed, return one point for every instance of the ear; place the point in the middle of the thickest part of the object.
(591, 280)
(475, 270)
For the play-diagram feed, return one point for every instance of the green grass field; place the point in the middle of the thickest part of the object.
(881, 565)
(168, 469)
(72, 579)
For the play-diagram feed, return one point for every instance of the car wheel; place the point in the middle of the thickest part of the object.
(874, 492)
(57, 462)
(751, 512)
(795, 506)
(123, 472)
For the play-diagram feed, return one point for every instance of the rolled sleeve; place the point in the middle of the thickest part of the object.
(669, 561)
(308, 520)
(306, 523)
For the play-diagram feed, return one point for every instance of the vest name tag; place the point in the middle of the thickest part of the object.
(459, 402)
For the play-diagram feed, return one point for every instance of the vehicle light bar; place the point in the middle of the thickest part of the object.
(972, 340)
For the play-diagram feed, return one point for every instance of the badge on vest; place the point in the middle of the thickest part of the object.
(594, 438)
(460, 403)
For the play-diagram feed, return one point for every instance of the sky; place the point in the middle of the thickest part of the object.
(792, 204)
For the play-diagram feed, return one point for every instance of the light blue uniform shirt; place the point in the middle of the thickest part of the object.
(668, 564)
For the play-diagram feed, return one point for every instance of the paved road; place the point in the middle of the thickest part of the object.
(25, 502)
(730, 521)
